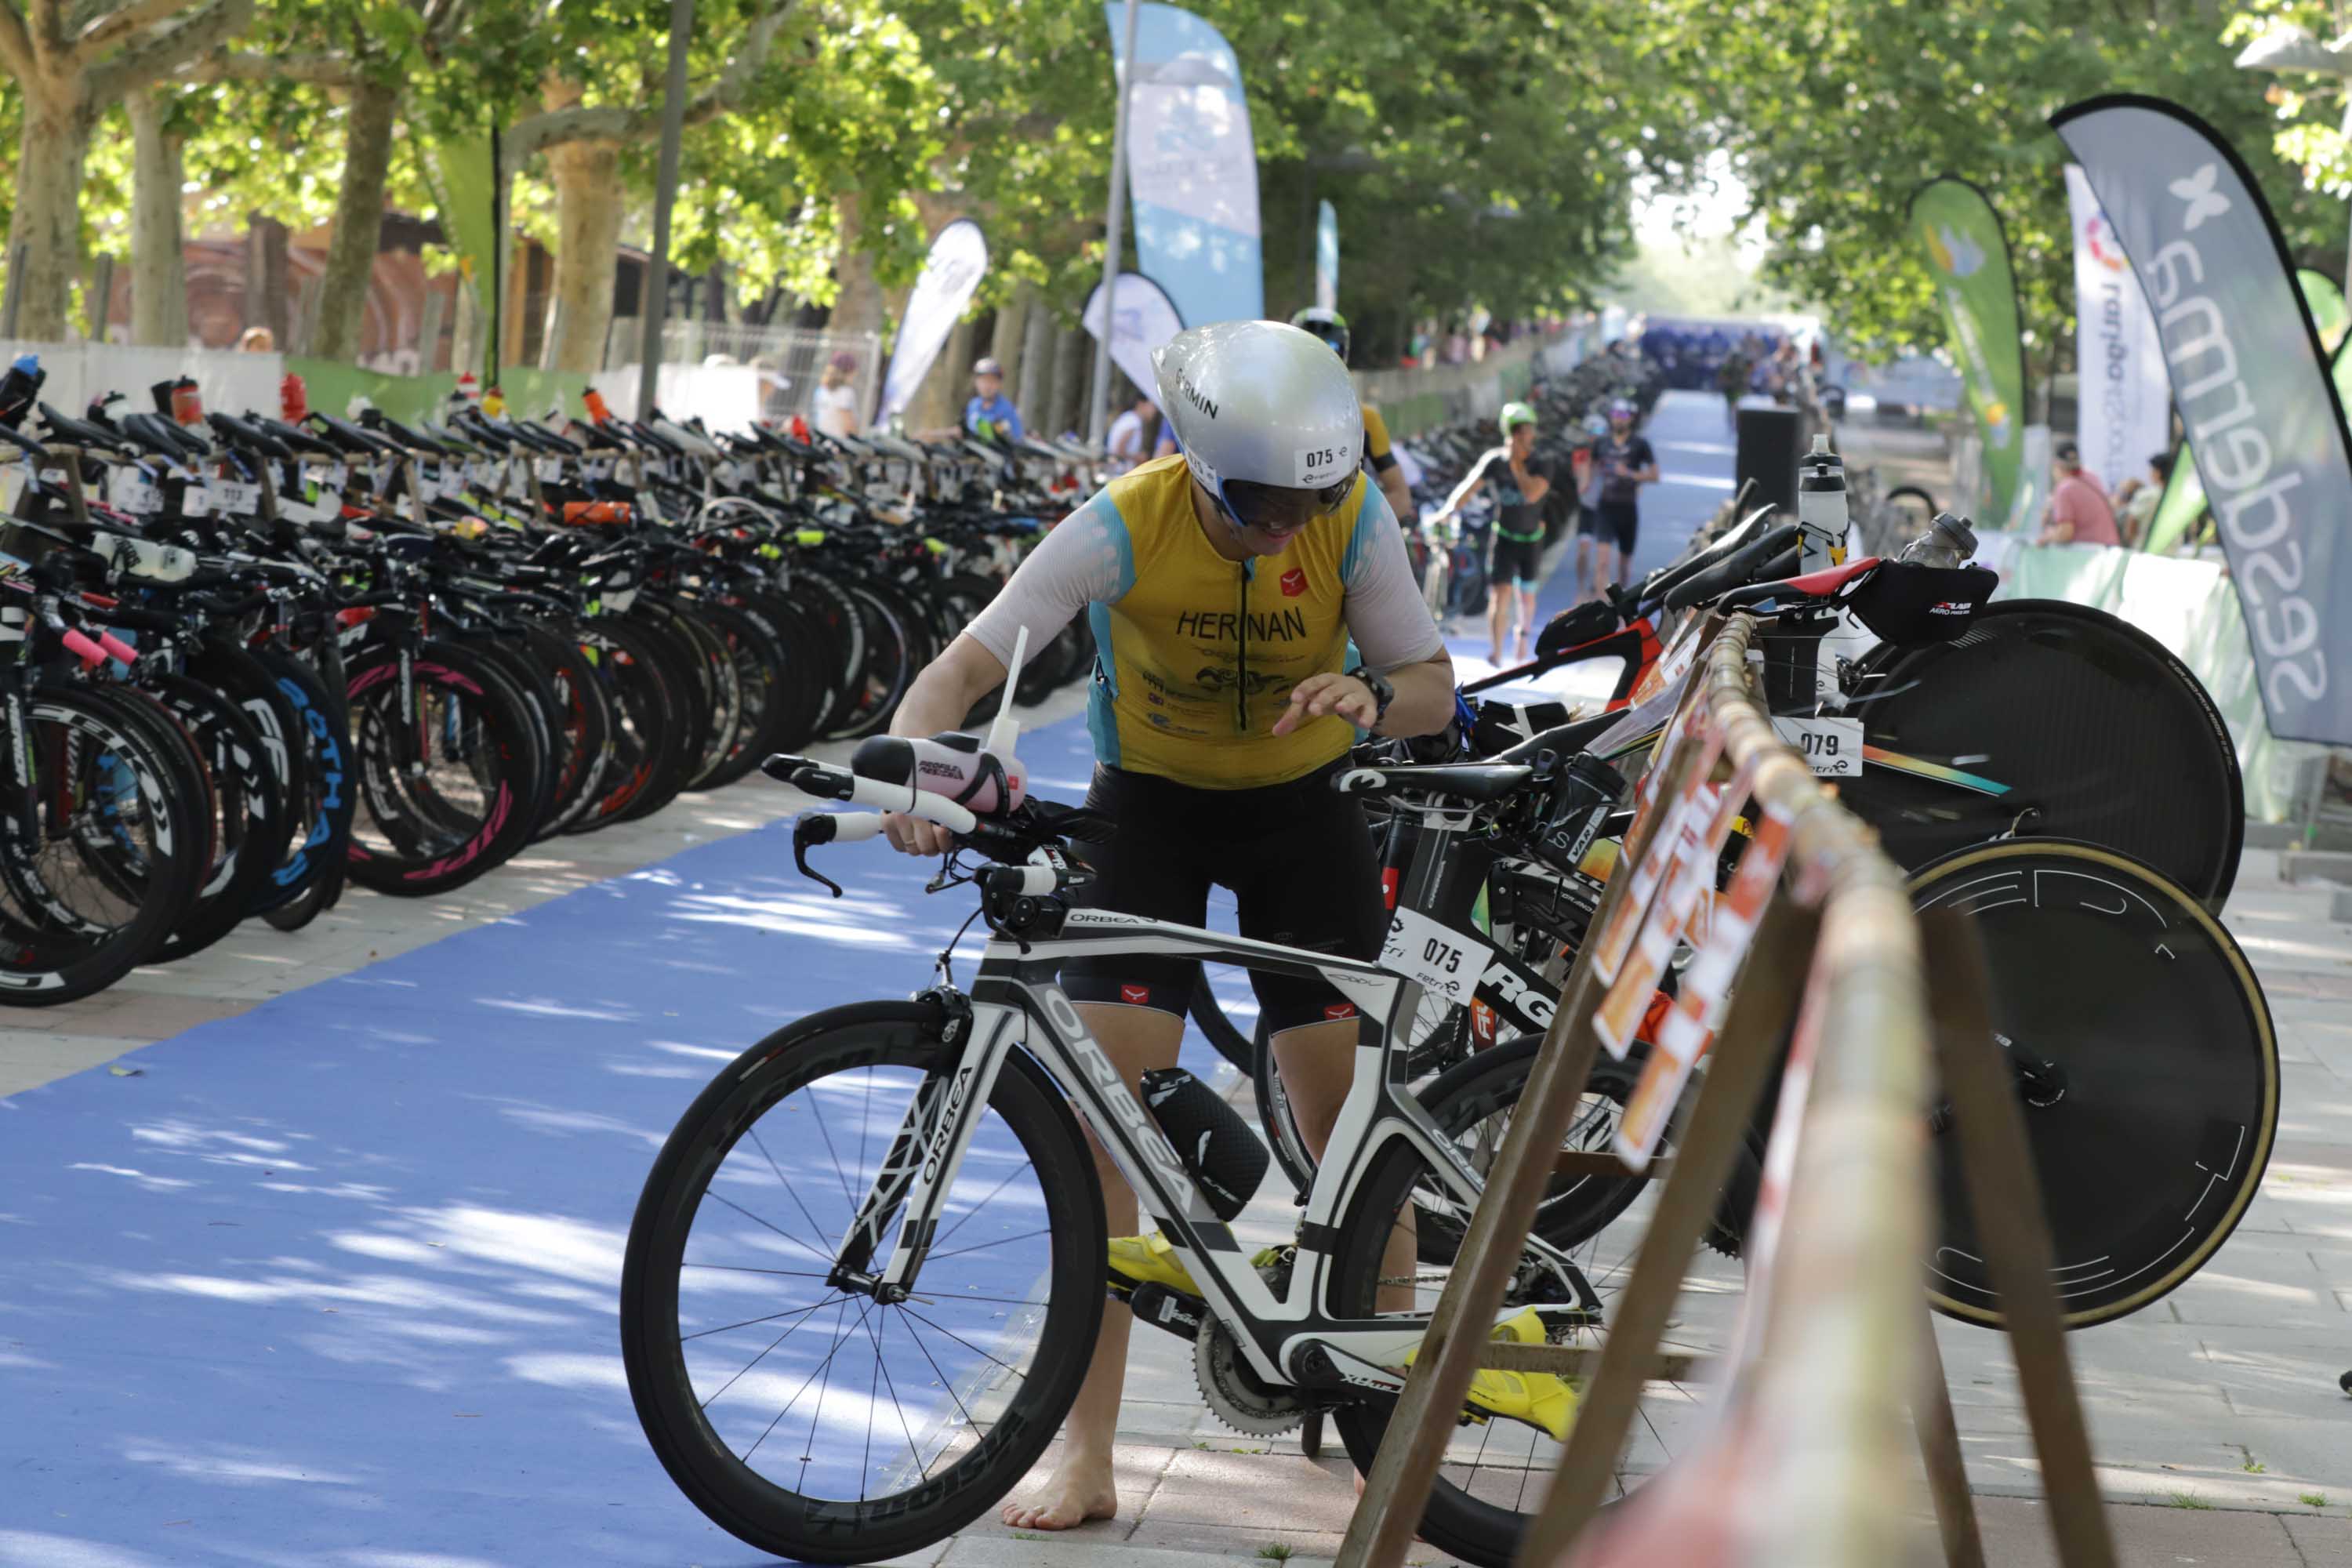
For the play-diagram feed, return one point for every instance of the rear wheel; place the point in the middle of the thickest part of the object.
(2082, 726)
(2144, 1063)
(1496, 1473)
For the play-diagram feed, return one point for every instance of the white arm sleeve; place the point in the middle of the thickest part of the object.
(1085, 560)
(1475, 477)
(1387, 616)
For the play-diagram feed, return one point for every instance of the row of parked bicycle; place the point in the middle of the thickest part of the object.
(260, 655)
(2043, 769)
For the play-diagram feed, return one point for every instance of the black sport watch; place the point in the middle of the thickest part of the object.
(1382, 692)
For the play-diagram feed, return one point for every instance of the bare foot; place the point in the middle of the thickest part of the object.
(1074, 1493)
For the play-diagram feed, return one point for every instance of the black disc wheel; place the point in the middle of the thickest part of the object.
(2145, 1065)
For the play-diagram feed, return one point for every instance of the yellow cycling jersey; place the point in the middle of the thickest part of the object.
(1376, 440)
(1195, 656)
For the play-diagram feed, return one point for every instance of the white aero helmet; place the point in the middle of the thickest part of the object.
(1268, 420)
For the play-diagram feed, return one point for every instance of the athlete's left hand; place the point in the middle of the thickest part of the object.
(1318, 695)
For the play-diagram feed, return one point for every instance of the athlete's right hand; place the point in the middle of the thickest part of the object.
(913, 836)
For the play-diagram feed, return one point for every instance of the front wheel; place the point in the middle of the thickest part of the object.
(821, 1424)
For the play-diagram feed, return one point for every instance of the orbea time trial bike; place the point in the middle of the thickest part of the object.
(867, 1268)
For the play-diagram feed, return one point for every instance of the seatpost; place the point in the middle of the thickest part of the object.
(1821, 509)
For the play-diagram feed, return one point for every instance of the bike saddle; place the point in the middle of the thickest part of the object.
(349, 438)
(377, 420)
(1480, 782)
(293, 435)
(1565, 739)
(1738, 537)
(247, 436)
(76, 432)
(160, 437)
(1765, 559)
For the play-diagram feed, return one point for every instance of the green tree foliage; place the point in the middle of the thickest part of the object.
(1835, 113)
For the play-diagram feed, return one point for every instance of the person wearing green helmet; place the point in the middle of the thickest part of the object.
(1517, 568)
(1332, 328)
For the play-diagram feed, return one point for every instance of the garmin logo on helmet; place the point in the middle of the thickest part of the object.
(1192, 396)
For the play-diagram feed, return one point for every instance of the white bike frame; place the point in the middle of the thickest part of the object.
(1016, 1002)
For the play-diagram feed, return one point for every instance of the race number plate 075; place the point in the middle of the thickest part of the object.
(1830, 747)
(1444, 960)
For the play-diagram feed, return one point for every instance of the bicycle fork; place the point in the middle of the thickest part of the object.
(924, 1156)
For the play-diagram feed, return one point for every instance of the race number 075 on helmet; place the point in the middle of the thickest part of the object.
(1267, 418)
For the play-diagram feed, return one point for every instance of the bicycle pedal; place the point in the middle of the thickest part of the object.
(1173, 1311)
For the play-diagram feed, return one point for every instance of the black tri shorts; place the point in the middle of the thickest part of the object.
(1616, 523)
(1517, 561)
(1297, 858)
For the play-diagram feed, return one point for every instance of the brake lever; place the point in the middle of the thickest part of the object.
(813, 828)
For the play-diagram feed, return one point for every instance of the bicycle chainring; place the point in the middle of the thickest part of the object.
(1236, 1394)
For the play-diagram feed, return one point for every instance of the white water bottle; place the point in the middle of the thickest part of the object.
(1821, 516)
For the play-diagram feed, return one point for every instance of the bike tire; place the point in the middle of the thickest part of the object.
(251, 811)
(44, 962)
(423, 838)
(2098, 731)
(730, 1493)
(2166, 1082)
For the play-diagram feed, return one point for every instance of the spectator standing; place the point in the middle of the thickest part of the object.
(991, 414)
(1129, 434)
(2079, 513)
(2137, 498)
(835, 403)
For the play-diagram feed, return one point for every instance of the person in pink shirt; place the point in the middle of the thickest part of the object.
(2079, 513)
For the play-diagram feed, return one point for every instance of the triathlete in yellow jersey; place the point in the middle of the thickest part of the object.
(1223, 587)
(1332, 328)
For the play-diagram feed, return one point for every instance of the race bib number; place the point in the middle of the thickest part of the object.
(550, 470)
(239, 500)
(1830, 747)
(197, 500)
(134, 493)
(1444, 960)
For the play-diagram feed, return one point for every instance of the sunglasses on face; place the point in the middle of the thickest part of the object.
(1279, 509)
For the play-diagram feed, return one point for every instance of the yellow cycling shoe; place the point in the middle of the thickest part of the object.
(1151, 1260)
(1537, 1398)
(1147, 1260)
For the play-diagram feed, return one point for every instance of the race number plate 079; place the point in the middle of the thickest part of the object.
(1444, 960)
(1830, 747)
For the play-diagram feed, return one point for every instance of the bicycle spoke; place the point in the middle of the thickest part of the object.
(787, 1410)
(763, 1355)
(780, 1230)
(793, 1193)
(945, 1236)
(748, 1322)
(984, 1246)
(966, 1344)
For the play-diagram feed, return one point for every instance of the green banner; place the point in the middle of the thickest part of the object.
(2325, 303)
(530, 393)
(1967, 257)
(464, 175)
(2184, 496)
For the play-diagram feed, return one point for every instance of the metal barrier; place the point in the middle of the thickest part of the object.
(1804, 1462)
